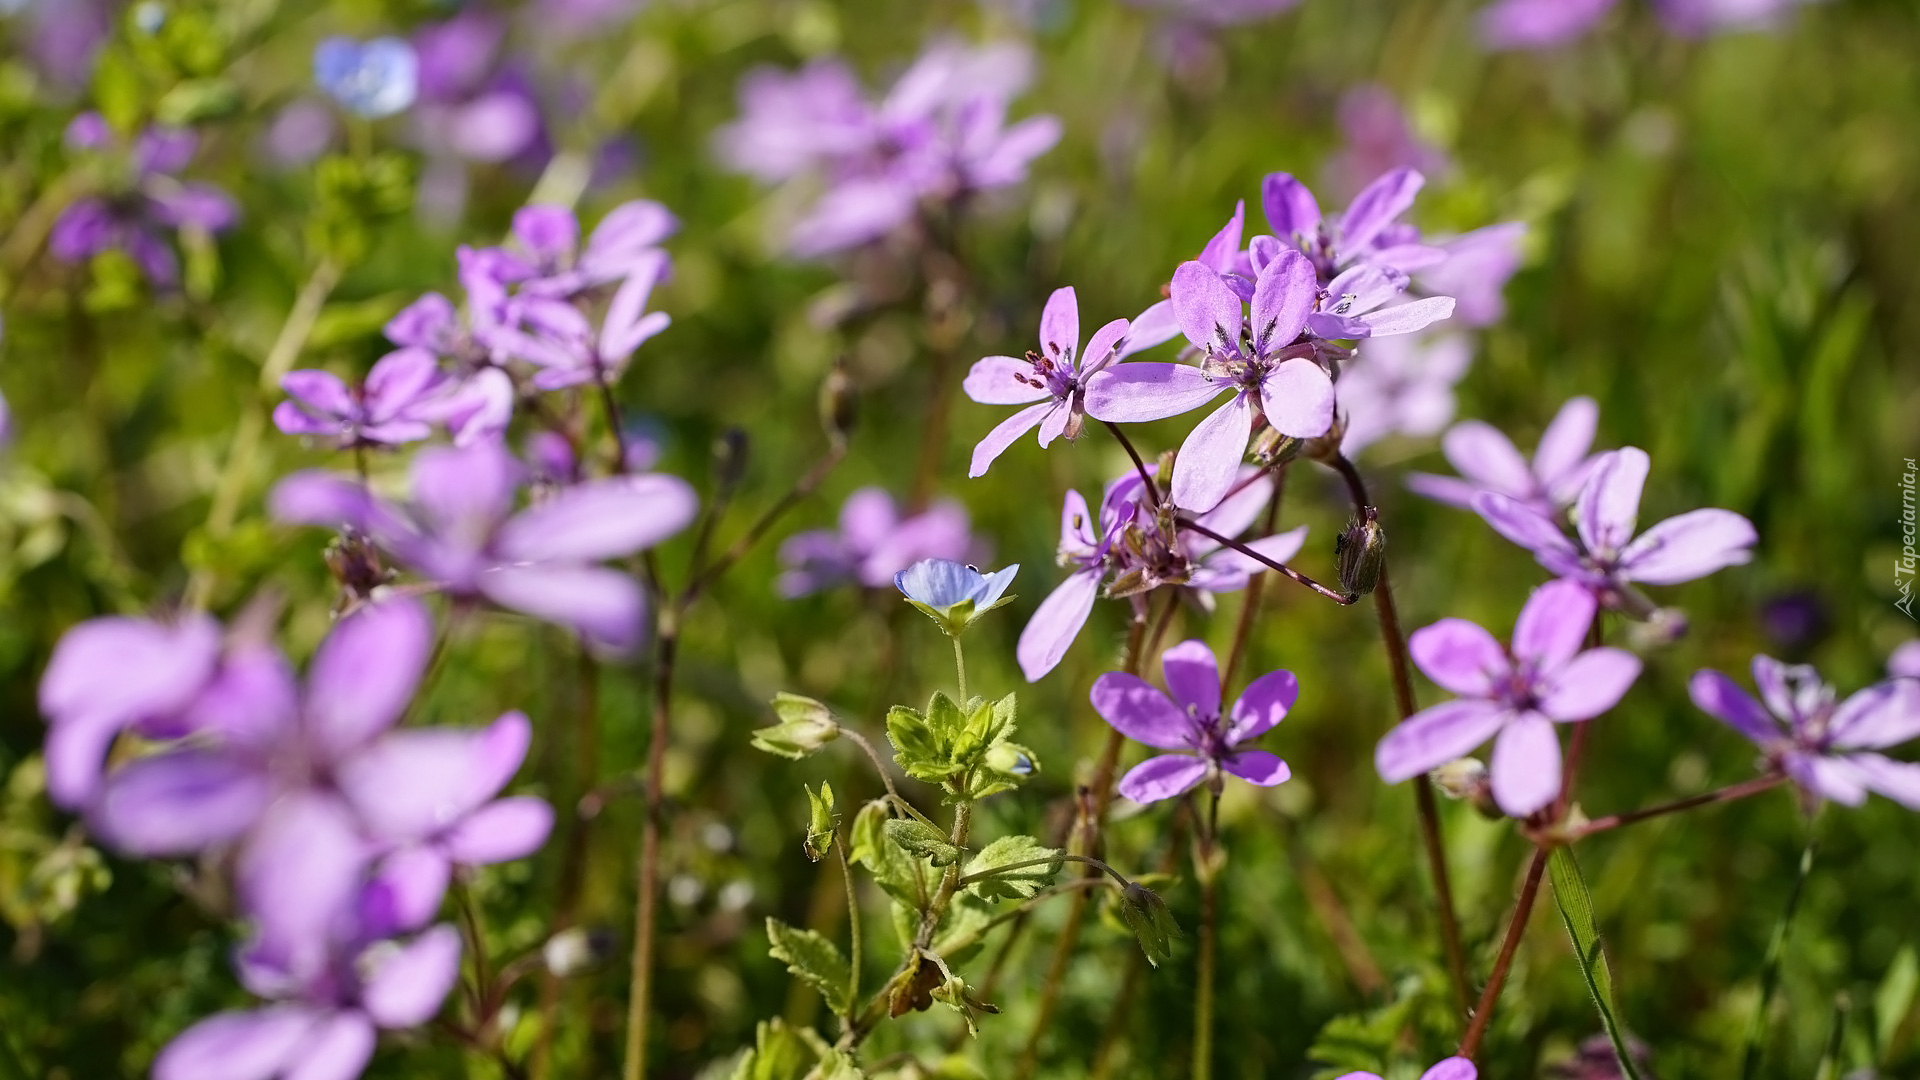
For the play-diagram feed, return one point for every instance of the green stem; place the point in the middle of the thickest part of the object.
(1776, 955)
(960, 668)
(853, 934)
(1008, 868)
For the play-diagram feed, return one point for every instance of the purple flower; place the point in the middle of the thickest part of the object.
(460, 531)
(1134, 549)
(470, 106)
(393, 406)
(1055, 376)
(1263, 368)
(1905, 661)
(1695, 18)
(155, 204)
(1539, 24)
(1815, 741)
(872, 544)
(1604, 555)
(1379, 140)
(1475, 271)
(1219, 13)
(1489, 462)
(1400, 386)
(373, 79)
(1453, 1068)
(1187, 719)
(325, 1024)
(1516, 693)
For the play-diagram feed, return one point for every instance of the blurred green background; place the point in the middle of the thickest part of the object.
(1721, 253)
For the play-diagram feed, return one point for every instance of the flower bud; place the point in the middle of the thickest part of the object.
(729, 460)
(821, 821)
(837, 403)
(1466, 779)
(577, 949)
(1271, 448)
(1152, 924)
(1360, 553)
(805, 726)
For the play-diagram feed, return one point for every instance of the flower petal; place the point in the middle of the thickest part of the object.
(1151, 328)
(1897, 780)
(405, 891)
(1297, 396)
(251, 1045)
(1827, 778)
(338, 1049)
(1142, 713)
(1130, 393)
(1482, 454)
(1106, 346)
(1436, 735)
(1526, 765)
(1453, 1068)
(1193, 678)
(1553, 625)
(1208, 311)
(1376, 206)
(1283, 297)
(1257, 767)
(1882, 715)
(1220, 251)
(1290, 207)
(1459, 656)
(1444, 489)
(1209, 459)
(1163, 777)
(1590, 684)
(601, 519)
(1407, 318)
(1609, 504)
(1261, 705)
(405, 987)
(605, 606)
(300, 872)
(179, 802)
(1056, 623)
(1005, 433)
(1060, 327)
(1688, 546)
(365, 673)
(1723, 699)
(1003, 380)
(1564, 445)
(1523, 525)
(501, 831)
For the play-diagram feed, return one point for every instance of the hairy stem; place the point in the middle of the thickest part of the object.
(1256, 585)
(853, 934)
(1516, 929)
(1343, 599)
(960, 668)
(1725, 794)
(640, 988)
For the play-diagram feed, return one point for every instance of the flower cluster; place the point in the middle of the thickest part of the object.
(344, 830)
(143, 203)
(1543, 24)
(873, 544)
(939, 135)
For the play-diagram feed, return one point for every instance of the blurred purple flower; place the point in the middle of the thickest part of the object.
(1134, 548)
(154, 205)
(1905, 661)
(1604, 555)
(371, 79)
(460, 532)
(872, 544)
(393, 405)
(1545, 24)
(1453, 1068)
(1795, 621)
(1218, 13)
(1475, 272)
(1379, 140)
(471, 105)
(1056, 373)
(1187, 719)
(1815, 741)
(65, 36)
(1516, 694)
(1400, 386)
(300, 133)
(1489, 462)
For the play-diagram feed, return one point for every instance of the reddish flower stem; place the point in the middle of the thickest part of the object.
(1516, 928)
(1725, 794)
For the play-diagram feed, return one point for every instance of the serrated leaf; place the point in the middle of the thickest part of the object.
(898, 873)
(915, 746)
(812, 959)
(1576, 911)
(945, 718)
(779, 1053)
(922, 839)
(962, 927)
(1013, 884)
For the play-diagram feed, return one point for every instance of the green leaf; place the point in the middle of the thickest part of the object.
(1894, 999)
(1014, 884)
(779, 1053)
(1776, 954)
(946, 720)
(1146, 914)
(923, 840)
(820, 821)
(898, 873)
(836, 1065)
(1576, 911)
(915, 746)
(812, 959)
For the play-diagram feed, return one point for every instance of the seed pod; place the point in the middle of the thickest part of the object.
(837, 403)
(1361, 552)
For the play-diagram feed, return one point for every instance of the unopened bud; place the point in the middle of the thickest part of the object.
(837, 403)
(1466, 779)
(1360, 553)
(821, 822)
(1152, 924)
(805, 726)
(729, 460)
(1327, 447)
(356, 564)
(1271, 448)
(577, 949)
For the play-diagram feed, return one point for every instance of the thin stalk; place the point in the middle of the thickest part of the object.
(640, 988)
(1395, 643)
(614, 426)
(1725, 794)
(1343, 599)
(949, 879)
(853, 933)
(1110, 1036)
(1250, 605)
(1209, 940)
(758, 529)
(1516, 929)
(1146, 478)
(1025, 864)
(960, 668)
(1776, 953)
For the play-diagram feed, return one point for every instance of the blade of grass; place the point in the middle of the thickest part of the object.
(1576, 911)
(1776, 952)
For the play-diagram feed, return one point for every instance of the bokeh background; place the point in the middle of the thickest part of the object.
(1720, 252)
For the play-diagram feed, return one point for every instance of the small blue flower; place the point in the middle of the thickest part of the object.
(952, 593)
(372, 79)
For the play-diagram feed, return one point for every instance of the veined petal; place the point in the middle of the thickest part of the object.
(1609, 504)
(1407, 318)
(1163, 777)
(1553, 625)
(1056, 623)
(1290, 207)
(1688, 546)
(1283, 297)
(1193, 678)
(1436, 735)
(1459, 656)
(1209, 460)
(1107, 345)
(1007, 432)
(1207, 310)
(998, 380)
(601, 519)
(1219, 253)
(1060, 327)
(1142, 713)
(1131, 393)
(1257, 767)
(1526, 765)
(1723, 699)
(1589, 684)
(1297, 396)
(1377, 206)
(1262, 704)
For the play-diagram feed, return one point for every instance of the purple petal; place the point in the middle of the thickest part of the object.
(867, 518)
(605, 606)
(1564, 445)
(1454, 1068)
(1589, 684)
(1609, 504)
(406, 986)
(1219, 253)
(997, 380)
(1522, 524)
(255, 1045)
(1459, 656)
(628, 323)
(319, 391)
(602, 519)
(1076, 523)
(1377, 206)
(1228, 563)
(1688, 546)
(1163, 777)
(1209, 460)
(1904, 663)
(1826, 777)
(405, 891)
(1105, 346)
(1290, 207)
(1142, 713)
(1006, 433)
(1885, 714)
(1445, 489)
(300, 871)
(548, 233)
(1053, 424)
(1553, 625)
(339, 1049)
(1526, 765)
(1538, 24)
(1407, 318)
(427, 323)
(180, 802)
(1297, 396)
(1257, 767)
(318, 497)
(410, 785)
(1207, 310)
(1436, 735)
(1262, 704)
(1060, 327)
(1193, 678)
(1480, 453)
(400, 379)
(365, 673)
(1056, 623)
(501, 831)
(1151, 328)
(252, 701)
(466, 491)
(1131, 393)
(1282, 299)
(1897, 780)
(1722, 698)
(623, 236)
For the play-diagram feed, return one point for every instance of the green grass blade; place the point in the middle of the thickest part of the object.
(1576, 911)
(1770, 978)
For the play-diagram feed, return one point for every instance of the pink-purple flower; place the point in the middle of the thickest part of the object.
(1187, 719)
(1513, 695)
(1453, 1068)
(395, 404)
(872, 544)
(1825, 745)
(1544, 24)
(1055, 377)
(1400, 386)
(1488, 461)
(154, 205)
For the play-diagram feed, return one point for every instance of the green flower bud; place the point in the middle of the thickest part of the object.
(805, 726)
